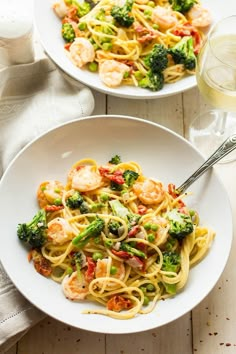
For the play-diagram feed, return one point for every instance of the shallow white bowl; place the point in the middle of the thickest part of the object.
(162, 154)
(49, 30)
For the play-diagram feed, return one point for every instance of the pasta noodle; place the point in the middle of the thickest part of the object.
(117, 237)
(118, 47)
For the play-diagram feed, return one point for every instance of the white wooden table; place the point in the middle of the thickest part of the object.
(210, 328)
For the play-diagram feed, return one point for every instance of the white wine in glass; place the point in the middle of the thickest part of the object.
(216, 78)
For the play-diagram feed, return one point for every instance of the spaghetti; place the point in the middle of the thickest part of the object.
(117, 238)
(115, 37)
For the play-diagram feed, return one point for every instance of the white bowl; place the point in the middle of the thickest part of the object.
(49, 30)
(162, 154)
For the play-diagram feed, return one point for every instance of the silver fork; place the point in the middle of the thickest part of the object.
(224, 149)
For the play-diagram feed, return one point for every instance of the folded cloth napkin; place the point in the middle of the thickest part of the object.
(33, 99)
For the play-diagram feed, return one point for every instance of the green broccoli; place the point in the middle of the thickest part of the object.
(83, 9)
(77, 261)
(132, 250)
(68, 32)
(153, 81)
(115, 160)
(118, 209)
(74, 201)
(157, 60)
(182, 6)
(92, 230)
(171, 263)
(116, 186)
(130, 177)
(34, 232)
(183, 53)
(113, 227)
(181, 224)
(122, 14)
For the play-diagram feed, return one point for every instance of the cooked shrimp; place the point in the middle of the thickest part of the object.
(60, 8)
(48, 192)
(117, 271)
(81, 52)
(199, 16)
(161, 232)
(85, 178)
(112, 72)
(149, 191)
(59, 231)
(75, 287)
(164, 17)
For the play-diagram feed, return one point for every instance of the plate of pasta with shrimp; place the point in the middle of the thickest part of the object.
(127, 48)
(99, 237)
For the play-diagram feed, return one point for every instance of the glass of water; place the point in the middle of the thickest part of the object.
(216, 79)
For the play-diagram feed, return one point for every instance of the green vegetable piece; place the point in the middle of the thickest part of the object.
(130, 177)
(113, 270)
(146, 300)
(152, 81)
(34, 232)
(171, 262)
(121, 14)
(183, 53)
(92, 230)
(157, 60)
(97, 255)
(93, 66)
(181, 224)
(150, 287)
(131, 250)
(182, 6)
(151, 237)
(68, 32)
(74, 201)
(113, 227)
(115, 160)
(82, 26)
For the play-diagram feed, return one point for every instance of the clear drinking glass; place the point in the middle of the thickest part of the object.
(216, 79)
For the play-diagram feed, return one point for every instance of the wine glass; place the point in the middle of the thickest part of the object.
(216, 79)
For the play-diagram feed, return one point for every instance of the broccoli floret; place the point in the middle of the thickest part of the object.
(92, 230)
(157, 60)
(118, 209)
(34, 232)
(153, 81)
(171, 263)
(115, 160)
(122, 14)
(131, 250)
(181, 224)
(78, 258)
(75, 200)
(182, 5)
(113, 227)
(116, 186)
(83, 9)
(183, 53)
(68, 32)
(130, 177)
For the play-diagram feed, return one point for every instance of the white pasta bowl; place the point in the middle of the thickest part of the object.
(49, 32)
(162, 154)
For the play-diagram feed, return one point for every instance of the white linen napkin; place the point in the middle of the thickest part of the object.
(34, 98)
